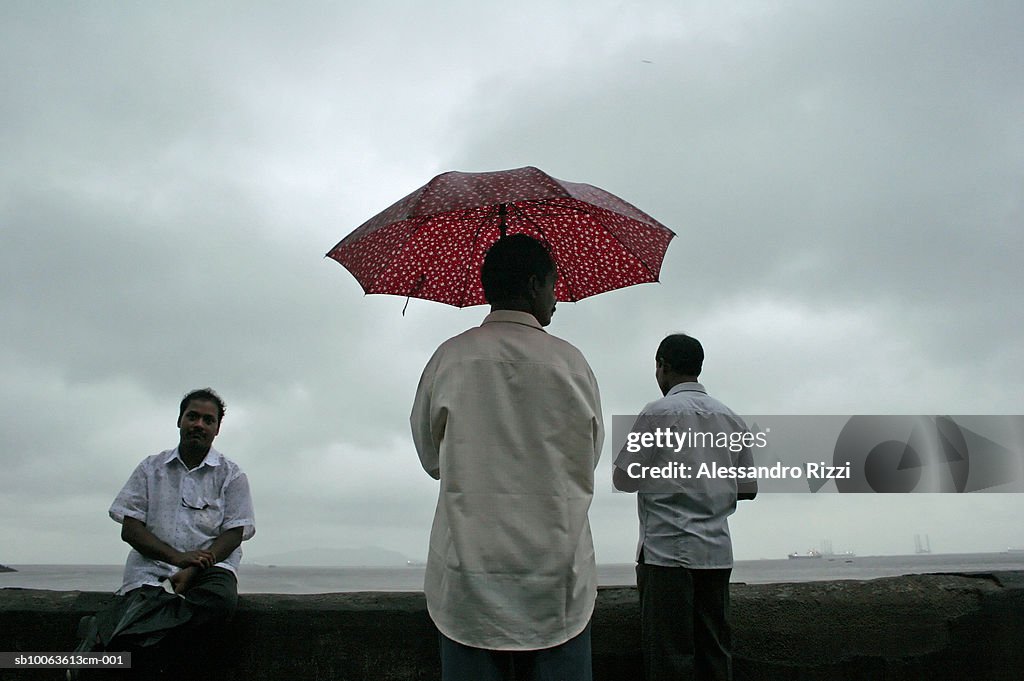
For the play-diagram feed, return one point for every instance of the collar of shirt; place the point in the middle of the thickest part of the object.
(514, 317)
(692, 387)
(213, 458)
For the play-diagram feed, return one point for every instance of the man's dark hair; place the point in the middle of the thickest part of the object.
(682, 354)
(203, 395)
(508, 265)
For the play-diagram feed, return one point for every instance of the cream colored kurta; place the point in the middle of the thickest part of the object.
(509, 418)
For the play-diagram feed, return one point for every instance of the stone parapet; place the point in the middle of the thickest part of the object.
(941, 626)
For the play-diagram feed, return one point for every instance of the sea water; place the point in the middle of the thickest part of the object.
(255, 578)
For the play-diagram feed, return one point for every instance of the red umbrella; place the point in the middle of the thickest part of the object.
(432, 243)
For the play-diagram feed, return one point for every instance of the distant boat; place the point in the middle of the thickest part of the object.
(1015, 549)
(809, 554)
(826, 551)
(4, 568)
(415, 563)
(922, 546)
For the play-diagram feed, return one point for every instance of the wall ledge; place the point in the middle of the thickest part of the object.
(935, 626)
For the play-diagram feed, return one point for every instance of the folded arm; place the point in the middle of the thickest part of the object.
(135, 533)
(220, 549)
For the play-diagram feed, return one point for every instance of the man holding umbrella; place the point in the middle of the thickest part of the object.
(508, 418)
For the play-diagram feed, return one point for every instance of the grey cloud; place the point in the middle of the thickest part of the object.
(844, 179)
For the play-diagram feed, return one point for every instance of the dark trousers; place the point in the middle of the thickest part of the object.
(684, 617)
(146, 615)
(168, 636)
(569, 661)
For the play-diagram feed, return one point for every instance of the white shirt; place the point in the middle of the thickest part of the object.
(509, 418)
(186, 509)
(689, 528)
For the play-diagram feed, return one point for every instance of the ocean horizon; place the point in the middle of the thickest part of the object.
(288, 579)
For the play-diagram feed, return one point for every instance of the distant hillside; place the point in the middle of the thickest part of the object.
(366, 556)
(4, 568)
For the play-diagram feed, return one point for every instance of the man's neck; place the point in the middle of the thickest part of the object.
(677, 380)
(518, 305)
(192, 457)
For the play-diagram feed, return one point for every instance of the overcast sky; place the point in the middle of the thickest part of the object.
(845, 179)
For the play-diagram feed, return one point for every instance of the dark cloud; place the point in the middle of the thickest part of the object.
(844, 179)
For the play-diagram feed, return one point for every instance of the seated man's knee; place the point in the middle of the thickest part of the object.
(216, 597)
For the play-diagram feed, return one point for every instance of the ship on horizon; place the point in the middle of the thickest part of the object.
(922, 547)
(825, 552)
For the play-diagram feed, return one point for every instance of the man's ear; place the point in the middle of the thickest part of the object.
(533, 286)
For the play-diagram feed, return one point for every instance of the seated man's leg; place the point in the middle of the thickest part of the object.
(145, 615)
(138, 617)
(196, 647)
(214, 595)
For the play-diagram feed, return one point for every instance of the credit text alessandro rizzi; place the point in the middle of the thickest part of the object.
(665, 438)
(681, 471)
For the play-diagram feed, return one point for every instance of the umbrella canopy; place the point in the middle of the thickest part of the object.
(431, 244)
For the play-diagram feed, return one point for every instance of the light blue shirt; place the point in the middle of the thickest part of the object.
(689, 528)
(186, 509)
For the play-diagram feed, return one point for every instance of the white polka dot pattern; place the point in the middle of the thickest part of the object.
(431, 244)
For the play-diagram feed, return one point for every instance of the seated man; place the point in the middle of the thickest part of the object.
(185, 512)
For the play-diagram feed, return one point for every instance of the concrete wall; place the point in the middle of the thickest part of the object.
(915, 627)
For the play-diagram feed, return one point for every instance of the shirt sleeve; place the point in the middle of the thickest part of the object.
(635, 449)
(428, 422)
(238, 511)
(133, 499)
(598, 420)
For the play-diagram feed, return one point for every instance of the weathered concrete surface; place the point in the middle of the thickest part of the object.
(923, 627)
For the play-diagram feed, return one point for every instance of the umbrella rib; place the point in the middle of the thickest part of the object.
(615, 236)
(640, 259)
(540, 230)
(481, 224)
(416, 224)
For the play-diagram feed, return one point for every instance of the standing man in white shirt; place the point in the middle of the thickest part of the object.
(684, 556)
(508, 418)
(185, 513)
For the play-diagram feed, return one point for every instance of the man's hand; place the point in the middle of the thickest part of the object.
(746, 490)
(200, 558)
(182, 579)
(622, 481)
(145, 542)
